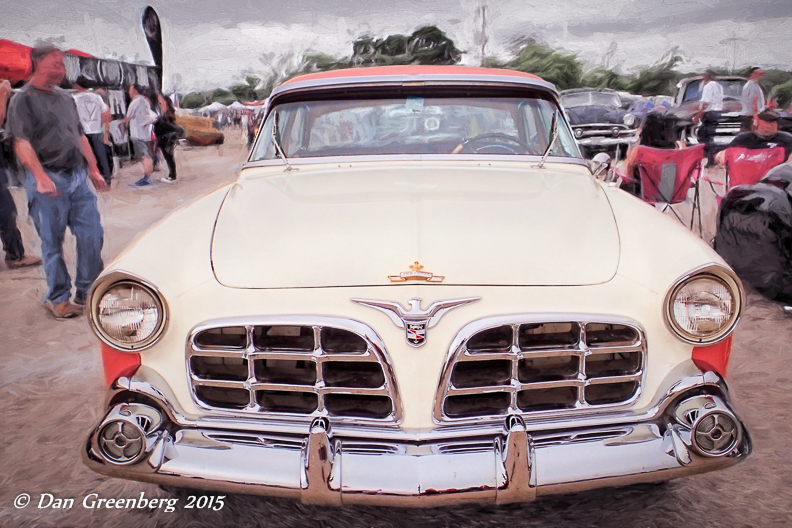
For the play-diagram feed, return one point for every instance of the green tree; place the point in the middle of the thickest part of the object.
(194, 100)
(427, 45)
(660, 79)
(603, 78)
(782, 93)
(561, 69)
(223, 96)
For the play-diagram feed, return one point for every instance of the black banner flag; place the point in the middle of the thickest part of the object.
(151, 26)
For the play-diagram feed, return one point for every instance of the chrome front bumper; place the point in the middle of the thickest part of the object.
(333, 466)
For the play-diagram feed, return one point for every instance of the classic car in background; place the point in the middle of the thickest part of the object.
(417, 293)
(599, 121)
(732, 120)
(200, 131)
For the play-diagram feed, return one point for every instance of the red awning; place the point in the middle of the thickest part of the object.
(15, 62)
(79, 53)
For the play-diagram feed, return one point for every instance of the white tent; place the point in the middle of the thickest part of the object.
(236, 104)
(214, 107)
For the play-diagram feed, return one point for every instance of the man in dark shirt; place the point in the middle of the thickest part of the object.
(764, 134)
(50, 145)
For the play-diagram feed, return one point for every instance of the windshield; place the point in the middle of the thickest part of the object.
(590, 98)
(414, 125)
(731, 88)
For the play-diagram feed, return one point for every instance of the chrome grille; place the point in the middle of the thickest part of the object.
(294, 368)
(534, 366)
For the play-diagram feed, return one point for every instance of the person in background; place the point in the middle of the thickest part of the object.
(9, 233)
(168, 133)
(709, 112)
(752, 94)
(94, 118)
(658, 130)
(50, 145)
(764, 135)
(140, 118)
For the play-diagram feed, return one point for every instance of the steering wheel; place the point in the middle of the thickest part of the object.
(468, 143)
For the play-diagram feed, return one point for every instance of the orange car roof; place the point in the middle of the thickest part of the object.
(374, 71)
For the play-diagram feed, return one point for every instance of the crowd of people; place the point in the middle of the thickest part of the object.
(660, 128)
(59, 140)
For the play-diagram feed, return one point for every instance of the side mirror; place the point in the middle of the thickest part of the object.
(600, 164)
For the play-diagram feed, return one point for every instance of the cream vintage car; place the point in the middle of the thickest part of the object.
(417, 293)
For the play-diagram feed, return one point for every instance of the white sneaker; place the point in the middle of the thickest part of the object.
(167, 180)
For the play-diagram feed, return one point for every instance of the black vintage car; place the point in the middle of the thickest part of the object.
(599, 122)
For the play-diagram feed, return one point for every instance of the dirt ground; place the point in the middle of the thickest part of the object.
(51, 381)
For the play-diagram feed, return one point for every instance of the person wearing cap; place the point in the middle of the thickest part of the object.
(764, 134)
(709, 111)
(752, 94)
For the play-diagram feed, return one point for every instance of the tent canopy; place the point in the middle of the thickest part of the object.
(214, 107)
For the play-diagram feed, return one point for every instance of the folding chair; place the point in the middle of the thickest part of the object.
(667, 175)
(748, 166)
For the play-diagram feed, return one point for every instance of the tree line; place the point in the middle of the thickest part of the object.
(431, 46)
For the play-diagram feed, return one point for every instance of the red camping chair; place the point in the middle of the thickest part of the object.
(667, 175)
(748, 166)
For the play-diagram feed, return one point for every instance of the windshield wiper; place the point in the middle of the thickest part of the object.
(278, 149)
(553, 136)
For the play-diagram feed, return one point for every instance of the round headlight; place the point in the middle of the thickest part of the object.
(703, 308)
(129, 315)
(629, 120)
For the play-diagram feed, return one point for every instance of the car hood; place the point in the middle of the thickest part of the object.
(472, 225)
(594, 114)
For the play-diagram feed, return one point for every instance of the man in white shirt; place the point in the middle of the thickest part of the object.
(140, 118)
(94, 116)
(752, 94)
(709, 112)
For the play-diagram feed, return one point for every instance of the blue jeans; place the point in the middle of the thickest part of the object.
(74, 206)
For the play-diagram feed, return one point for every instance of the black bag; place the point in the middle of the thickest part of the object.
(755, 233)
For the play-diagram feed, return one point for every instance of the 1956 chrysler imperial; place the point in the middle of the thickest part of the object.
(417, 293)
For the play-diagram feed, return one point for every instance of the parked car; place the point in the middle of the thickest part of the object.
(732, 121)
(200, 131)
(417, 293)
(599, 121)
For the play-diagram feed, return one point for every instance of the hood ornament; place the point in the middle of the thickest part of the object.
(416, 275)
(416, 321)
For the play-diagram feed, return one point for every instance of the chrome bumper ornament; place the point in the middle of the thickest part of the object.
(346, 465)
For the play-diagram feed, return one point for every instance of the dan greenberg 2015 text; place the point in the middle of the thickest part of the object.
(93, 501)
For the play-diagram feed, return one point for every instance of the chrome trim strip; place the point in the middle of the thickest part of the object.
(375, 353)
(105, 282)
(458, 350)
(719, 271)
(517, 158)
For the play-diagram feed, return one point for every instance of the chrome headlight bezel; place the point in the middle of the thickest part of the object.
(105, 283)
(711, 271)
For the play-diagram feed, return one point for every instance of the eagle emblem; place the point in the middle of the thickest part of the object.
(416, 321)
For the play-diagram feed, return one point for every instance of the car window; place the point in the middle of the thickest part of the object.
(692, 91)
(605, 99)
(414, 125)
(577, 99)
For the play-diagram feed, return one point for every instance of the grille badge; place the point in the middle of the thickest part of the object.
(416, 321)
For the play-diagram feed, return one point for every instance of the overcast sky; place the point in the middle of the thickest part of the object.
(210, 43)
